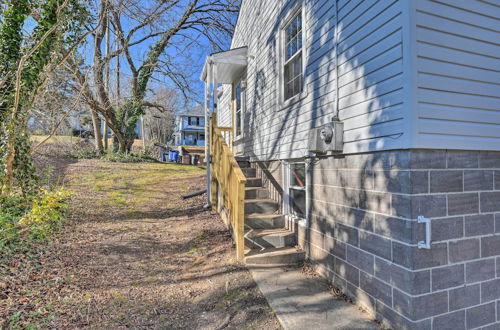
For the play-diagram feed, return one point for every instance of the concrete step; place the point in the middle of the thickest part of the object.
(287, 256)
(243, 161)
(254, 182)
(264, 221)
(261, 206)
(249, 172)
(269, 238)
(256, 193)
(306, 302)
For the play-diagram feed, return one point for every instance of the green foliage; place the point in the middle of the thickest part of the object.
(128, 158)
(32, 220)
(15, 45)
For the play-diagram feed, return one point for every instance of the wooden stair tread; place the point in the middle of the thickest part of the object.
(263, 216)
(268, 232)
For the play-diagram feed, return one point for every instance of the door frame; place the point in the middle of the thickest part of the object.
(242, 83)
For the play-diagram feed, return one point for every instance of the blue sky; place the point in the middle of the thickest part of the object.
(187, 53)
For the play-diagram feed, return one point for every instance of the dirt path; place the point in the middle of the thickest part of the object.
(135, 256)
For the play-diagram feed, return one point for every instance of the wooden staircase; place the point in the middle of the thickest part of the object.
(267, 241)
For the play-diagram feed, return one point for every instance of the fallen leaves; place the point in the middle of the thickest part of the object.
(164, 265)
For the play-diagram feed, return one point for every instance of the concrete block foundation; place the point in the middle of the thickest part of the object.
(362, 233)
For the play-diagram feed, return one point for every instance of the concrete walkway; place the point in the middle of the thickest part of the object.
(302, 302)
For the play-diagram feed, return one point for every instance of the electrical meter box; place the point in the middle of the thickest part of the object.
(327, 138)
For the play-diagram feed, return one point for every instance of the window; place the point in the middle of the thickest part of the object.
(292, 70)
(296, 190)
(238, 109)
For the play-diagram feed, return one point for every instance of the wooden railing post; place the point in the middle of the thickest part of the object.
(230, 180)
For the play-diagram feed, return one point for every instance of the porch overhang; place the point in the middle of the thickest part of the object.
(225, 66)
(219, 68)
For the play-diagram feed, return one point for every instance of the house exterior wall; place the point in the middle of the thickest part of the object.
(413, 80)
(363, 233)
(369, 71)
(184, 129)
(457, 74)
(408, 74)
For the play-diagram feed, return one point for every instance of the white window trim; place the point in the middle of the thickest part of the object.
(242, 83)
(284, 104)
(301, 221)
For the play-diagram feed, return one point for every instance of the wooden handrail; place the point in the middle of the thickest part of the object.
(229, 181)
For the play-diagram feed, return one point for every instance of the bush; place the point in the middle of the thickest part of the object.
(128, 158)
(32, 219)
(115, 157)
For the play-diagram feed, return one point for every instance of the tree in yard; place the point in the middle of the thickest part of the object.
(30, 33)
(51, 104)
(159, 121)
(169, 28)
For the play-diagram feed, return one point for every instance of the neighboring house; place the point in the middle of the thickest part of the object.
(413, 87)
(190, 127)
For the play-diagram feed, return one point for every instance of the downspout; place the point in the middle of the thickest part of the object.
(207, 134)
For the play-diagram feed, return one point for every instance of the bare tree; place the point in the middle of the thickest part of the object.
(159, 118)
(171, 28)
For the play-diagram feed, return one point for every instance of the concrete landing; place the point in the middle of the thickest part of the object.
(301, 302)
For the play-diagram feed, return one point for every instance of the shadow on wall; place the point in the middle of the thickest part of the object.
(370, 102)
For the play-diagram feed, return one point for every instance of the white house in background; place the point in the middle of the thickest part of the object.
(190, 127)
(374, 128)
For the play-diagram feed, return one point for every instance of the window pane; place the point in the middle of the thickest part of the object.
(239, 109)
(298, 202)
(293, 36)
(297, 66)
(293, 77)
(288, 33)
(238, 97)
(293, 44)
(238, 123)
(298, 175)
(289, 51)
(296, 86)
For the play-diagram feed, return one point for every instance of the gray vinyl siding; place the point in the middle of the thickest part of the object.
(457, 74)
(370, 76)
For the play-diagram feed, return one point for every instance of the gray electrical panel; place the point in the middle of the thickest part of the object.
(327, 138)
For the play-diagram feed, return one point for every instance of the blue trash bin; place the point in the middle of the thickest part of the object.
(170, 155)
(175, 155)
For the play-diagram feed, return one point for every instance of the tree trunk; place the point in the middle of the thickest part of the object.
(9, 165)
(96, 122)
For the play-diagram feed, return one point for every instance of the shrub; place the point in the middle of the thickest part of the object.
(115, 157)
(128, 158)
(32, 219)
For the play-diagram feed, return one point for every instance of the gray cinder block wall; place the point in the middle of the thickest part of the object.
(363, 235)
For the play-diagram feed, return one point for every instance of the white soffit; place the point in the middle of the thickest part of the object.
(228, 66)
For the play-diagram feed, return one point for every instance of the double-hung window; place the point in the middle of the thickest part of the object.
(292, 70)
(239, 99)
